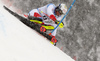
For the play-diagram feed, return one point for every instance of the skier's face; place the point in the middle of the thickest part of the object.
(57, 13)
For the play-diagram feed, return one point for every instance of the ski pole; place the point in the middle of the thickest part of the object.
(46, 14)
(63, 17)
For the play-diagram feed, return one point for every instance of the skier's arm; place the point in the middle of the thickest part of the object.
(37, 14)
(50, 10)
(53, 17)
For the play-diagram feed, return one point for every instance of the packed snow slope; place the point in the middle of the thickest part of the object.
(20, 43)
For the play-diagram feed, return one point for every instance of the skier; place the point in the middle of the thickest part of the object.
(50, 15)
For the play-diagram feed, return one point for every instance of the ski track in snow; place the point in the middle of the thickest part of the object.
(2, 27)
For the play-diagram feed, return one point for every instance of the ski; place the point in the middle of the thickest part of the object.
(30, 24)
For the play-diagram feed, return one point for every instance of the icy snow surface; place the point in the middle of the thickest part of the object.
(20, 43)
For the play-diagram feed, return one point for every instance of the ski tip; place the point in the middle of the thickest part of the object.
(4, 6)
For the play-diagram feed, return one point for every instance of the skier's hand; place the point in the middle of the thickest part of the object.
(61, 24)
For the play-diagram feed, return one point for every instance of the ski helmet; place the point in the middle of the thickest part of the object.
(62, 8)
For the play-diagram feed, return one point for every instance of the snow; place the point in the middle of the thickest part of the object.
(20, 43)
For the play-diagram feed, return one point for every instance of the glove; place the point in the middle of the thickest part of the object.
(61, 24)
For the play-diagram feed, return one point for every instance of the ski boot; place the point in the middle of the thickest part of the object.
(42, 29)
(54, 41)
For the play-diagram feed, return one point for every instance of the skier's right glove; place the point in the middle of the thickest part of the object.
(61, 24)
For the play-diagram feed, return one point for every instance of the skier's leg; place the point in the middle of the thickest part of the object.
(34, 14)
(54, 25)
(54, 33)
(31, 13)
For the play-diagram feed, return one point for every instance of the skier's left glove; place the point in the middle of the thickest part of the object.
(61, 24)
